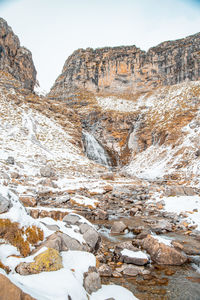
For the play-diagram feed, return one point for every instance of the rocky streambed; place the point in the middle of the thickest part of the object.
(152, 252)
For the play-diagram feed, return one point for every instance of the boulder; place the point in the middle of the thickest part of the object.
(131, 270)
(63, 242)
(91, 280)
(163, 254)
(118, 227)
(133, 257)
(90, 235)
(9, 291)
(5, 204)
(162, 226)
(10, 160)
(71, 219)
(105, 271)
(49, 260)
(47, 171)
(125, 245)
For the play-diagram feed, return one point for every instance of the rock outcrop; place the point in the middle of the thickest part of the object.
(15, 59)
(128, 69)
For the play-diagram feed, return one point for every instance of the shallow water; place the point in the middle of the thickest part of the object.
(164, 282)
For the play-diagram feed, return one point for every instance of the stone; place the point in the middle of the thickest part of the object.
(63, 242)
(15, 59)
(9, 291)
(104, 270)
(162, 225)
(163, 254)
(10, 160)
(133, 211)
(118, 227)
(47, 171)
(28, 200)
(49, 260)
(92, 238)
(63, 199)
(5, 204)
(138, 258)
(91, 280)
(131, 270)
(102, 214)
(71, 219)
(128, 245)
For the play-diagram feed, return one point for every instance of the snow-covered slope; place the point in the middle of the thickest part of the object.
(164, 141)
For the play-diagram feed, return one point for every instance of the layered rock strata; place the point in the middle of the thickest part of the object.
(128, 69)
(15, 59)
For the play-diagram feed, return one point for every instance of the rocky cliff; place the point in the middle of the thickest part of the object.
(129, 69)
(15, 59)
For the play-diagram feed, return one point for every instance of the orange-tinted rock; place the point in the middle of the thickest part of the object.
(28, 200)
(15, 59)
(128, 69)
(9, 291)
(163, 254)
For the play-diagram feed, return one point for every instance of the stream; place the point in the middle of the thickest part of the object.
(163, 282)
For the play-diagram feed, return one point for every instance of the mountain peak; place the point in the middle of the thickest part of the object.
(15, 59)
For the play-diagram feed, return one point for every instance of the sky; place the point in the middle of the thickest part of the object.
(53, 29)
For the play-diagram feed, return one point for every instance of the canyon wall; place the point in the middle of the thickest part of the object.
(128, 69)
(15, 59)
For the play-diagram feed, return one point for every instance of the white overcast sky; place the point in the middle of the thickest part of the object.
(53, 29)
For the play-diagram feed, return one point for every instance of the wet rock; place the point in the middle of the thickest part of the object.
(105, 270)
(5, 204)
(91, 280)
(131, 270)
(189, 249)
(125, 245)
(49, 260)
(143, 234)
(162, 226)
(47, 171)
(163, 254)
(118, 227)
(9, 291)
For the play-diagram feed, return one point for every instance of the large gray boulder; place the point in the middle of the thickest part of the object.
(91, 280)
(5, 204)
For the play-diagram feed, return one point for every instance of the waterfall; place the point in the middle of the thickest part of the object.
(94, 150)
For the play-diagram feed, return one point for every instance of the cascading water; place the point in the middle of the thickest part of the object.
(94, 150)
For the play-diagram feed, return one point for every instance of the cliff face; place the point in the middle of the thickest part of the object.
(129, 69)
(15, 59)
